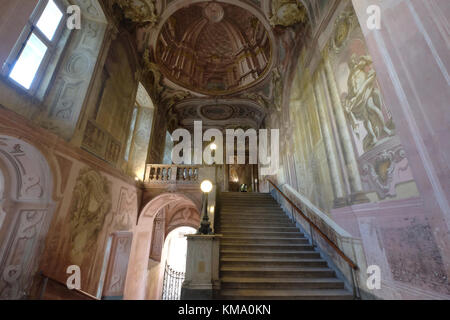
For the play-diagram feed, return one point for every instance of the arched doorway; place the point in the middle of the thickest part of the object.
(160, 216)
(173, 263)
(26, 209)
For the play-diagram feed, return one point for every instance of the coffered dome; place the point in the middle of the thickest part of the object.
(214, 48)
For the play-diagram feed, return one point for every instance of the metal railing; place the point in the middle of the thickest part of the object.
(173, 281)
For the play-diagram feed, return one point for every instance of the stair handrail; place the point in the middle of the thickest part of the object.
(46, 278)
(315, 227)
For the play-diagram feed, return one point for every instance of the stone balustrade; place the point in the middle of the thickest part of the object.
(161, 173)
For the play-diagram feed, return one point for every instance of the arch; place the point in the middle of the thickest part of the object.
(156, 291)
(27, 209)
(163, 213)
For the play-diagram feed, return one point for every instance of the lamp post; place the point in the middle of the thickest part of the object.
(205, 225)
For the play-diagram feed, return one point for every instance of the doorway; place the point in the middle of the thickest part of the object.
(175, 252)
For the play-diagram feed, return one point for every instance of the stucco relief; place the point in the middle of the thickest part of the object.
(287, 13)
(142, 12)
(72, 79)
(118, 264)
(26, 210)
(17, 274)
(127, 206)
(158, 236)
(384, 167)
(91, 204)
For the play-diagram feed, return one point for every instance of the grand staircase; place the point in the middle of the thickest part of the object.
(263, 255)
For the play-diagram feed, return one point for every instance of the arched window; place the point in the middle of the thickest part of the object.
(36, 45)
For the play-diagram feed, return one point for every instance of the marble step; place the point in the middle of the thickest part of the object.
(273, 262)
(266, 247)
(294, 294)
(281, 283)
(292, 254)
(273, 272)
(270, 241)
(263, 234)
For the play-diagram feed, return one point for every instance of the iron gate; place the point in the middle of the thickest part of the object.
(173, 280)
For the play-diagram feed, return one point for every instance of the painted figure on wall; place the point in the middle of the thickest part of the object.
(363, 101)
(90, 206)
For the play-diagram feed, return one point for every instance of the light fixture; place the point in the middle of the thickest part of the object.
(206, 186)
(205, 226)
(213, 146)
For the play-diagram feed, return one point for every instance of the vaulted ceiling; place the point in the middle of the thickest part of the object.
(224, 62)
(214, 48)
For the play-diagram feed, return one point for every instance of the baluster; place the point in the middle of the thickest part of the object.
(196, 174)
(151, 175)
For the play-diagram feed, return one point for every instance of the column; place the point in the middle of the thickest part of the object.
(357, 195)
(338, 190)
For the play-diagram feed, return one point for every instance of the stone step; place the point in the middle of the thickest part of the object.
(291, 254)
(252, 228)
(263, 255)
(274, 262)
(256, 219)
(273, 272)
(264, 234)
(246, 194)
(271, 241)
(297, 294)
(259, 218)
(265, 247)
(248, 204)
(243, 223)
(228, 200)
(252, 211)
(281, 283)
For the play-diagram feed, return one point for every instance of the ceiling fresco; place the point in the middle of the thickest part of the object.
(233, 51)
(214, 48)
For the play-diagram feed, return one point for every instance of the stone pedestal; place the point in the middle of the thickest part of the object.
(202, 267)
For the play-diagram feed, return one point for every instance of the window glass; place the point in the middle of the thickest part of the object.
(29, 61)
(49, 21)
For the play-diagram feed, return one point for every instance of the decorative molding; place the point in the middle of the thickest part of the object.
(287, 13)
(381, 165)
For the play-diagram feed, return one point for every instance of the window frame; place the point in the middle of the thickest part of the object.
(52, 45)
(132, 133)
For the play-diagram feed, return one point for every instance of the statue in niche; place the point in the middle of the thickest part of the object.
(363, 102)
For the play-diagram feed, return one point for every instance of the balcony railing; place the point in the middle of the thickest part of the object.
(161, 173)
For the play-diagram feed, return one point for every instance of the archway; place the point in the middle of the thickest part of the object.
(173, 260)
(26, 209)
(160, 216)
